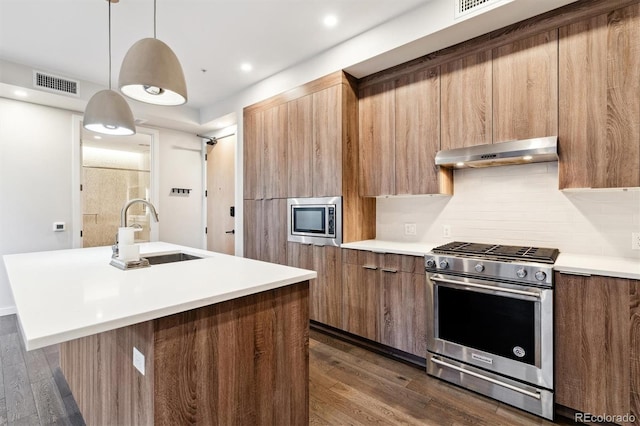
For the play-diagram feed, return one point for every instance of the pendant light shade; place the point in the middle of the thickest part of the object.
(151, 73)
(108, 112)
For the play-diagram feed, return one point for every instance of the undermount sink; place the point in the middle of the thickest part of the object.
(158, 259)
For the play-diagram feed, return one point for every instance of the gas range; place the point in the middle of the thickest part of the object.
(518, 264)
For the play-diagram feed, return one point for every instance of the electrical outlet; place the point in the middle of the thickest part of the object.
(635, 240)
(138, 360)
(446, 231)
(409, 229)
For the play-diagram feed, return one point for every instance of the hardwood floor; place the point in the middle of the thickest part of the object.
(348, 385)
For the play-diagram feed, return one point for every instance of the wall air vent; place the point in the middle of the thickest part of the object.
(467, 7)
(55, 84)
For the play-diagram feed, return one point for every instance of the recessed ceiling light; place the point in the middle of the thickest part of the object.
(97, 137)
(246, 67)
(460, 164)
(527, 158)
(20, 93)
(330, 21)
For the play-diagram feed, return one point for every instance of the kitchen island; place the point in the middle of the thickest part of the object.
(218, 340)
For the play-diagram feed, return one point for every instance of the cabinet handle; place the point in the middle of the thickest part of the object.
(393, 271)
(373, 268)
(579, 274)
(319, 245)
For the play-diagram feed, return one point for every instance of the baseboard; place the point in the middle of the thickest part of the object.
(9, 310)
(389, 352)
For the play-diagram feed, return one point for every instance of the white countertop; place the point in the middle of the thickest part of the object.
(618, 267)
(66, 294)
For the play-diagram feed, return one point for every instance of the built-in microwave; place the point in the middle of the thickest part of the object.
(315, 220)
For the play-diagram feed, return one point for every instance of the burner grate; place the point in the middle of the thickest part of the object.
(537, 254)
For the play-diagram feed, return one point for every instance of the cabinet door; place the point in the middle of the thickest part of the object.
(592, 350)
(361, 300)
(327, 142)
(467, 101)
(377, 139)
(274, 242)
(253, 229)
(525, 88)
(326, 295)
(417, 132)
(274, 165)
(599, 131)
(300, 147)
(252, 156)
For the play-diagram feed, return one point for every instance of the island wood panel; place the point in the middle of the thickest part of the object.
(359, 213)
(274, 163)
(417, 132)
(592, 351)
(327, 142)
(253, 228)
(600, 101)
(243, 362)
(274, 231)
(100, 373)
(467, 106)
(525, 88)
(377, 140)
(253, 186)
(300, 147)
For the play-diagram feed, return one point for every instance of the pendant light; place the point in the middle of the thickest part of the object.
(151, 72)
(107, 111)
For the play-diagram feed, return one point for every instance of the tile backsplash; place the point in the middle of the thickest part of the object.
(518, 205)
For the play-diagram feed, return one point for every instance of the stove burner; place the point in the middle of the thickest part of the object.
(494, 251)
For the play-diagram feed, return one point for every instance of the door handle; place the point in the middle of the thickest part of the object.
(233, 231)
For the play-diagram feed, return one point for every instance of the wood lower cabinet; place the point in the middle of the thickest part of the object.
(597, 326)
(599, 132)
(265, 230)
(325, 292)
(385, 299)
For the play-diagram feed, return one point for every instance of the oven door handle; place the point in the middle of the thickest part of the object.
(535, 395)
(488, 287)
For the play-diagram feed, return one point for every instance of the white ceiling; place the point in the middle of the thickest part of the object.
(69, 37)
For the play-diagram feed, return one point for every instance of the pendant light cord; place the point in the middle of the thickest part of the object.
(109, 1)
(155, 20)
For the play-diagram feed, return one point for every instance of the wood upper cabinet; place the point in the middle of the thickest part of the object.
(325, 292)
(274, 165)
(467, 106)
(327, 142)
(597, 351)
(417, 132)
(377, 139)
(599, 130)
(253, 188)
(525, 88)
(300, 147)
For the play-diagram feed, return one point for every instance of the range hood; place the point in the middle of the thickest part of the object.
(524, 151)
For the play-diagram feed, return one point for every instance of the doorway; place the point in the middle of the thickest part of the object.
(220, 168)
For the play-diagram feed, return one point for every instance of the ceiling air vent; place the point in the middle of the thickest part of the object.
(55, 84)
(467, 7)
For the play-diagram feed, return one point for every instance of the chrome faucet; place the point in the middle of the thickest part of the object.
(123, 218)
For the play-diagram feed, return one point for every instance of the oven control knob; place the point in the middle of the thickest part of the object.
(444, 264)
(541, 275)
(431, 263)
(521, 273)
(479, 267)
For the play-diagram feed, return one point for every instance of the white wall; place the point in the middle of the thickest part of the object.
(35, 184)
(181, 165)
(518, 205)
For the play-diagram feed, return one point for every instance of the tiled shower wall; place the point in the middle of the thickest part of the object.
(518, 205)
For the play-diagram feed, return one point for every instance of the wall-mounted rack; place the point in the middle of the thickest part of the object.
(181, 190)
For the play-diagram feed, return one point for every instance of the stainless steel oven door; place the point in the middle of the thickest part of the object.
(501, 327)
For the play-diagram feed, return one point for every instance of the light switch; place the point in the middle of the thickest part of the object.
(59, 226)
